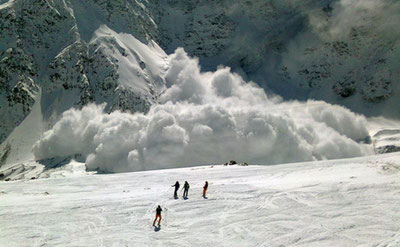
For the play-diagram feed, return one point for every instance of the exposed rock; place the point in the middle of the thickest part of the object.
(388, 149)
(232, 162)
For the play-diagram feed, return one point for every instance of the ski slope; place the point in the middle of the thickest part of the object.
(353, 202)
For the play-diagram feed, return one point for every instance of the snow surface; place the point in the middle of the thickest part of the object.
(25, 135)
(6, 3)
(353, 202)
(385, 134)
(140, 65)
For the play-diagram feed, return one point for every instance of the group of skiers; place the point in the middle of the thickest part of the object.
(186, 187)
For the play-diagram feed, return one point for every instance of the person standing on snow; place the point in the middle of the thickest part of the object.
(158, 215)
(186, 187)
(205, 187)
(176, 185)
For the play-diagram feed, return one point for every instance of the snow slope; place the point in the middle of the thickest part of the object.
(350, 202)
(74, 54)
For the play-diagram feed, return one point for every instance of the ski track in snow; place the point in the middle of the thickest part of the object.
(352, 202)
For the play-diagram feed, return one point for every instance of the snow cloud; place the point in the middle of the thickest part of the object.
(206, 118)
(348, 14)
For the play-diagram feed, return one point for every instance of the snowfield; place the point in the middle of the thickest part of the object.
(351, 202)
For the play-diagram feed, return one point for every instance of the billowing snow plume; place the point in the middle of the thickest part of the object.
(206, 118)
(346, 15)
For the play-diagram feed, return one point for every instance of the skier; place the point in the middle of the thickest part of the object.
(176, 185)
(158, 215)
(186, 189)
(205, 187)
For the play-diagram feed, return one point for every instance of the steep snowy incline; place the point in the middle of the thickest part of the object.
(141, 67)
(48, 67)
(75, 53)
(350, 202)
(19, 144)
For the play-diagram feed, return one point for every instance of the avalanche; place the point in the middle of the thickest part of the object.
(351, 202)
(206, 118)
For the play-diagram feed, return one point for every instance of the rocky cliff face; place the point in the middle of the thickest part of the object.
(339, 51)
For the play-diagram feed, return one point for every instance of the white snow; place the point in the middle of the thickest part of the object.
(20, 160)
(6, 3)
(140, 65)
(353, 202)
(26, 134)
(298, 49)
(384, 132)
(206, 118)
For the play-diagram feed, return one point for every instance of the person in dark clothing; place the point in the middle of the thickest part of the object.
(176, 185)
(186, 187)
(205, 187)
(158, 215)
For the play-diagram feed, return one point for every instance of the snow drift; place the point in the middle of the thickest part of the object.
(206, 118)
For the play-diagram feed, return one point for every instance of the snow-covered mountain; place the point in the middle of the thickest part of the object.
(340, 51)
(61, 54)
(64, 53)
